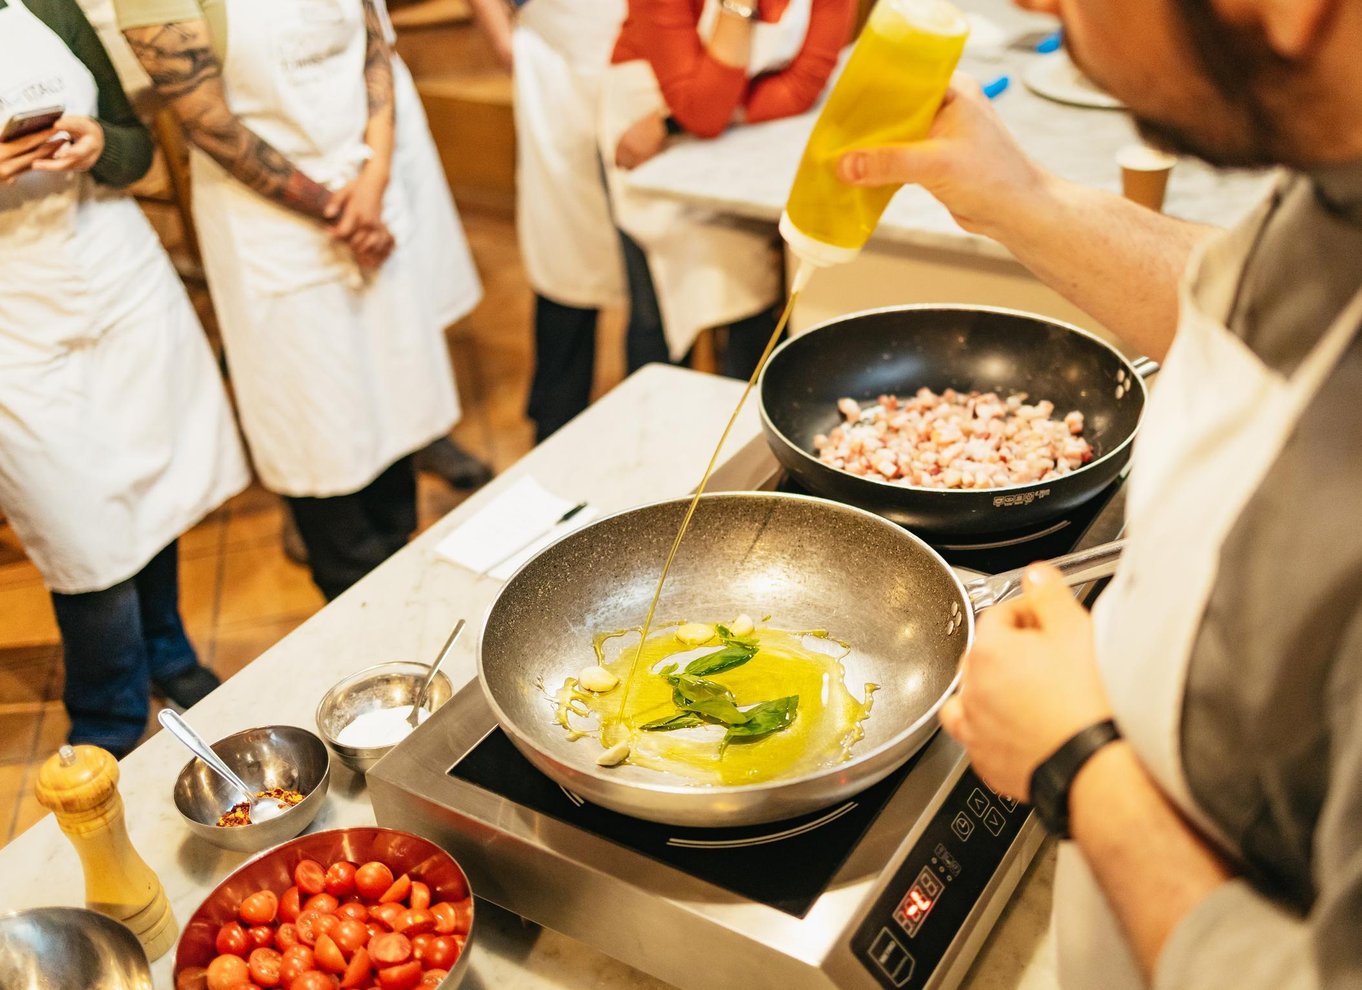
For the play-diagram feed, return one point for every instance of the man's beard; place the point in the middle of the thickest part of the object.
(1238, 64)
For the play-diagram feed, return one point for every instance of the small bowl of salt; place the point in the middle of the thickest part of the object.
(365, 715)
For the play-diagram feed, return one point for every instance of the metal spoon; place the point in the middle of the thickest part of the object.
(445, 650)
(260, 810)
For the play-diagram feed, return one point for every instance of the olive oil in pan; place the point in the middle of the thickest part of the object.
(807, 665)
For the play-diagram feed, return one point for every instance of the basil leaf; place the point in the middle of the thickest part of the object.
(681, 720)
(764, 719)
(668, 670)
(693, 694)
(731, 656)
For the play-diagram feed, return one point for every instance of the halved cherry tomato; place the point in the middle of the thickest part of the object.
(313, 980)
(321, 903)
(351, 935)
(463, 916)
(432, 977)
(461, 939)
(386, 914)
(414, 921)
(446, 918)
(443, 953)
(309, 925)
(340, 879)
(372, 879)
(286, 936)
(360, 972)
(296, 961)
(232, 940)
(374, 928)
(353, 909)
(399, 890)
(248, 985)
(192, 978)
(260, 908)
(310, 876)
(420, 894)
(290, 905)
(420, 945)
(260, 936)
(264, 965)
(329, 956)
(389, 949)
(404, 977)
(225, 972)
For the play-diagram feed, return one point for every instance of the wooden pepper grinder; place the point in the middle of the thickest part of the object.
(79, 784)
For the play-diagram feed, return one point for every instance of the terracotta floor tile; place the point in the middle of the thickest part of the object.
(27, 813)
(260, 583)
(261, 521)
(28, 618)
(18, 730)
(27, 675)
(200, 578)
(205, 538)
(12, 779)
(52, 732)
(240, 643)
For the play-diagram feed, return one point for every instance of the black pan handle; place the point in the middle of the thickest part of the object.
(1077, 569)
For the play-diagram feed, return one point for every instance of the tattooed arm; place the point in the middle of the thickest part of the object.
(180, 60)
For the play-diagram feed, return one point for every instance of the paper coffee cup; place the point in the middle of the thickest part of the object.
(1144, 174)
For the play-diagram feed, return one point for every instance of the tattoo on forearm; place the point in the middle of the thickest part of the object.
(378, 68)
(180, 60)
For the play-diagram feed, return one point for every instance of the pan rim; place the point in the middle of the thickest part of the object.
(874, 483)
(701, 791)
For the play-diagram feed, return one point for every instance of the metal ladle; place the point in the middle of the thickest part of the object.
(413, 717)
(260, 809)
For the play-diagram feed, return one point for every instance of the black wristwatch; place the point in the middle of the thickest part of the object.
(1050, 782)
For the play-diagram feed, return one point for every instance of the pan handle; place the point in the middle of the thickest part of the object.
(1145, 367)
(1076, 568)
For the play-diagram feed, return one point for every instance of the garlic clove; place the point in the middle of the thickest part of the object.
(695, 633)
(614, 756)
(742, 626)
(596, 679)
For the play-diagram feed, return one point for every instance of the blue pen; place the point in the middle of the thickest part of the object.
(1051, 42)
(997, 87)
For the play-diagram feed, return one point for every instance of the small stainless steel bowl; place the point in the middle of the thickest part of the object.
(385, 685)
(65, 948)
(273, 870)
(267, 757)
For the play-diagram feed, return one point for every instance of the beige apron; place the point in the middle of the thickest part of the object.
(708, 269)
(1213, 428)
(115, 432)
(567, 238)
(337, 374)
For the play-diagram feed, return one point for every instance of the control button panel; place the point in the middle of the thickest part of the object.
(920, 909)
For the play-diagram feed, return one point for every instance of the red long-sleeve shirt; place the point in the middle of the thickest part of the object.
(702, 94)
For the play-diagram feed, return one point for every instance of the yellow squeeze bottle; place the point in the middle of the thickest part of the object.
(888, 93)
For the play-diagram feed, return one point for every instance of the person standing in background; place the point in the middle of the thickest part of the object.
(310, 237)
(559, 50)
(698, 66)
(115, 432)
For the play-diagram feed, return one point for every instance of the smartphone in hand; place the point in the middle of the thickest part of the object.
(27, 122)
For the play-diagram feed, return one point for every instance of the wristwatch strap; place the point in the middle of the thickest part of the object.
(747, 11)
(1050, 782)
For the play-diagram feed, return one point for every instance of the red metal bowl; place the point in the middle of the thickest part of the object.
(273, 870)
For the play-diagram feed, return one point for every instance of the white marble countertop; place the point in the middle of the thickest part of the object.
(647, 440)
(748, 171)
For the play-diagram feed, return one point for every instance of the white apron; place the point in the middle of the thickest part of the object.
(115, 433)
(708, 270)
(1213, 428)
(336, 374)
(567, 238)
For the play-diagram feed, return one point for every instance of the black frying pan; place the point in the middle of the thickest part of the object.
(898, 350)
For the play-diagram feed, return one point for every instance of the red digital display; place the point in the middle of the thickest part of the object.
(918, 902)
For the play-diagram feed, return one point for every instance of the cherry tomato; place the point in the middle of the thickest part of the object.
(390, 949)
(414, 921)
(353, 909)
(260, 908)
(351, 935)
(309, 927)
(313, 980)
(321, 903)
(443, 953)
(286, 936)
(232, 940)
(463, 916)
(420, 945)
(404, 977)
(420, 894)
(290, 905)
(360, 972)
(446, 918)
(329, 956)
(372, 880)
(374, 928)
(461, 939)
(432, 977)
(386, 914)
(310, 877)
(192, 978)
(340, 879)
(264, 965)
(260, 936)
(297, 960)
(399, 890)
(248, 985)
(225, 972)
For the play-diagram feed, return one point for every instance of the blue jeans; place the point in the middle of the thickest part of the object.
(115, 643)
